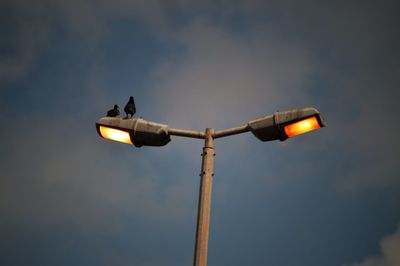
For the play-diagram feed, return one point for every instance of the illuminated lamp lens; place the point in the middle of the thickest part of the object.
(115, 134)
(301, 127)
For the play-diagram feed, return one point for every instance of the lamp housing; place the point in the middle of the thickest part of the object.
(136, 131)
(283, 125)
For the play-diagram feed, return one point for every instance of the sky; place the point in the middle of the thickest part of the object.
(330, 197)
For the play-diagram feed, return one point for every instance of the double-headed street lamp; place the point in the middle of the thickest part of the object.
(140, 132)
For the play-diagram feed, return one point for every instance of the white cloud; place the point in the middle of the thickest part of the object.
(390, 249)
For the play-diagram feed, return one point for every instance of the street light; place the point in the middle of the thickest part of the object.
(283, 125)
(140, 132)
(136, 131)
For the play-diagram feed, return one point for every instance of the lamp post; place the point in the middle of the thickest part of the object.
(140, 132)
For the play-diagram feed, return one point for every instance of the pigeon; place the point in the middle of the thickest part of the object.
(113, 112)
(130, 108)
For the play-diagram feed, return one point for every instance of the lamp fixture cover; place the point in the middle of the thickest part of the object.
(140, 132)
(282, 125)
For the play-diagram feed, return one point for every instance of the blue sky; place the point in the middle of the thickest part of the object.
(68, 197)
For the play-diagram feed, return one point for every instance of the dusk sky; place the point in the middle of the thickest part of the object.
(327, 198)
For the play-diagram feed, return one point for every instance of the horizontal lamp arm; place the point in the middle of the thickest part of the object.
(186, 133)
(231, 131)
(201, 135)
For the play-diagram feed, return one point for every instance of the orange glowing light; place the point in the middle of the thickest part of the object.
(115, 134)
(302, 127)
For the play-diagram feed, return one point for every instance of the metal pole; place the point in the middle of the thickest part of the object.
(203, 215)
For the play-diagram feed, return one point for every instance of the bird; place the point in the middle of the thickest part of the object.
(113, 112)
(130, 108)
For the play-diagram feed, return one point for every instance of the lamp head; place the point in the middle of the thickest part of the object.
(283, 125)
(137, 131)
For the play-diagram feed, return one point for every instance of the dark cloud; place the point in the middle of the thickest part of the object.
(195, 65)
(21, 43)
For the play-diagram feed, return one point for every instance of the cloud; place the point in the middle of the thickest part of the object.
(22, 43)
(30, 28)
(390, 252)
(227, 62)
(55, 175)
(364, 131)
(223, 78)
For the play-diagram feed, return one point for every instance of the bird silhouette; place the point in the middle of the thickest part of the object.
(130, 108)
(113, 112)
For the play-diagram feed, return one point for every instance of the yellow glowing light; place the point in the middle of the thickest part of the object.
(302, 126)
(115, 134)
